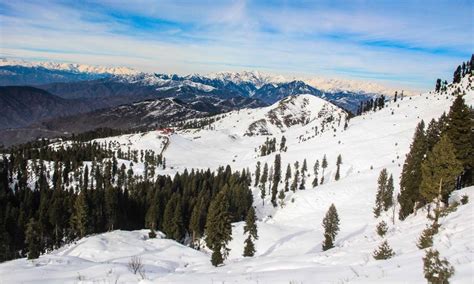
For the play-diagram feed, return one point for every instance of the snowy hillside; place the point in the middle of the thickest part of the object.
(289, 246)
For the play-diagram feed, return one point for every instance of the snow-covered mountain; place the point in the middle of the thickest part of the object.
(288, 249)
(69, 67)
(79, 81)
(289, 246)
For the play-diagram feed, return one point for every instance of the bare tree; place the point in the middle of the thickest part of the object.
(135, 265)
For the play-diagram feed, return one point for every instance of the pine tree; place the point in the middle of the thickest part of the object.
(281, 198)
(457, 75)
(283, 144)
(80, 218)
(338, 164)
(219, 228)
(388, 194)
(381, 193)
(426, 237)
(324, 165)
(459, 130)
(263, 181)
(382, 228)
(287, 178)
(316, 170)
(438, 85)
(257, 174)
(294, 184)
(33, 239)
(384, 251)
(436, 270)
(276, 179)
(151, 217)
(411, 173)
(331, 227)
(250, 228)
(439, 171)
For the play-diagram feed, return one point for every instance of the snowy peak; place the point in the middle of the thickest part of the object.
(70, 67)
(295, 112)
(254, 77)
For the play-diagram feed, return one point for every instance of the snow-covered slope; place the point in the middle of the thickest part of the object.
(289, 244)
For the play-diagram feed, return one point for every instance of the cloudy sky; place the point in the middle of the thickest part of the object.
(406, 43)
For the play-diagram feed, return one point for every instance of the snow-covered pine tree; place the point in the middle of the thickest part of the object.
(381, 191)
(219, 227)
(250, 227)
(316, 170)
(436, 270)
(331, 227)
(384, 251)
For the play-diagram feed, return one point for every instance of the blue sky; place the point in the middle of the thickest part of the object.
(401, 43)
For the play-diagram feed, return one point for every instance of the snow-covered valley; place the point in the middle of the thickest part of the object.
(288, 249)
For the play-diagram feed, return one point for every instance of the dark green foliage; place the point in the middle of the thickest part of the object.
(457, 75)
(426, 237)
(459, 130)
(33, 239)
(338, 164)
(257, 174)
(331, 227)
(436, 270)
(249, 249)
(464, 199)
(103, 195)
(381, 192)
(382, 228)
(384, 251)
(219, 228)
(411, 173)
(316, 171)
(440, 169)
(276, 179)
(250, 228)
(287, 178)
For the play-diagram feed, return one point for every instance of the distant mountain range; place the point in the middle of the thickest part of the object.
(73, 97)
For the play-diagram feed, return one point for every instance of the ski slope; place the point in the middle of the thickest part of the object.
(289, 244)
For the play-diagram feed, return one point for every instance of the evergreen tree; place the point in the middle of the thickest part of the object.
(411, 173)
(80, 218)
(294, 184)
(287, 178)
(457, 75)
(219, 228)
(426, 237)
(440, 170)
(436, 270)
(283, 144)
(438, 85)
(276, 179)
(382, 228)
(338, 164)
(459, 130)
(263, 181)
(331, 227)
(381, 192)
(324, 165)
(281, 198)
(388, 194)
(250, 228)
(315, 170)
(33, 239)
(257, 174)
(384, 251)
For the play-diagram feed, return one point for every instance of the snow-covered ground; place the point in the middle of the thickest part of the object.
(289, 244)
